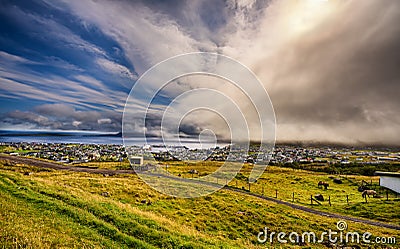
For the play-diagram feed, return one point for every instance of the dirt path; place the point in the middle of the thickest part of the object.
(49, 165)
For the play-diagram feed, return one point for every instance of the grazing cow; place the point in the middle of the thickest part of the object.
(319, 197)
(362, 188)
(193, 171)
(368, 192)
(325, 184)
(338, 181)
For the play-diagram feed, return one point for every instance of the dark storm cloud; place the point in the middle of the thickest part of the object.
(64, 117)
(190, 129)
(28, 117)
(342, 77)
(56, 110)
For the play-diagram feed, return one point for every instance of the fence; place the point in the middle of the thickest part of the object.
(316, 198)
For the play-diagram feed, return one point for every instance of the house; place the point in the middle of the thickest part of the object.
(390, 180)
(136, 160)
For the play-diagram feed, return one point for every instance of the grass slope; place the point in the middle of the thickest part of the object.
(61, 209)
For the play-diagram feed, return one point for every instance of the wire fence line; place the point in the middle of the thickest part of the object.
(306, 197)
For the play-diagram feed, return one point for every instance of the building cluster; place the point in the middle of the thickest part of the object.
(67, 153)
(332, 155)
(281, 154)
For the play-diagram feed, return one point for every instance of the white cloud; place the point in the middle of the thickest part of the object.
(76, 123)
(11, 58)
(115, 68)
(16, 80)
(104, 121)
(90, 81)
(146, 36)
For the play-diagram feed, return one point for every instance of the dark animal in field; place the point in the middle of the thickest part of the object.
(319, 197)
(362, 188)
(368, 192)
(338, 181)
(324, 184)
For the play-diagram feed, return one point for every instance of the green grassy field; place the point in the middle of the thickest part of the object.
(61, 209)
(297, 186)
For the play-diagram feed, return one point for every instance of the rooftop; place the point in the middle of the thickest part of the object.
(392, 174)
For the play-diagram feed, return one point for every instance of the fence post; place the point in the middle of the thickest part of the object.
(293, 197)
(387, 195)
(347, 199)
(263, 189)
(249, 186)
(311, 199)
(329, 199)
(276, 193)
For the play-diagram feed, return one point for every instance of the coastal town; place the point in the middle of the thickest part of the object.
(281, 154)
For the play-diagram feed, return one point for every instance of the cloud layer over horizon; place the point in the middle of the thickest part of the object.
(331, 67)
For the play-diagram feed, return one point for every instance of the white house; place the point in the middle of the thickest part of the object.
(390, 180)
(136, 160)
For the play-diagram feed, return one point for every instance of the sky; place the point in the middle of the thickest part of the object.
(330, 67)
